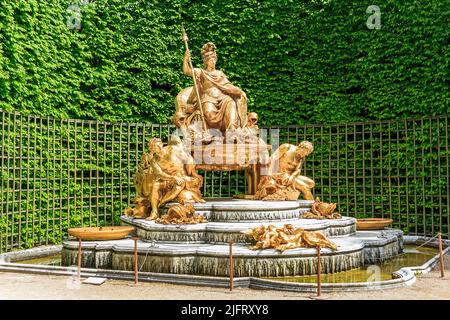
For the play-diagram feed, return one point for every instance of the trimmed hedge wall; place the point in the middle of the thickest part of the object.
(299, 61)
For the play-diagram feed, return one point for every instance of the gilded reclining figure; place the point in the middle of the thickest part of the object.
(287, 238)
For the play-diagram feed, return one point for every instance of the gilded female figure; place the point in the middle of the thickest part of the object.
(224, 105)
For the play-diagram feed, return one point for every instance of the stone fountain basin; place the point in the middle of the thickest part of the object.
(227, 218)
(202, 249)
(98, 253)
(213, 259)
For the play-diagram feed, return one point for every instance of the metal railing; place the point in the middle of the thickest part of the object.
(57, 174)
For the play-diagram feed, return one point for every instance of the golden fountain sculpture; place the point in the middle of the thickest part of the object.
(165, 174)
(223, 105)
(181, 214)
(213, 102)
(287, 238)
(212, 116)
(322, 210)
(285, 181)
(213, 119)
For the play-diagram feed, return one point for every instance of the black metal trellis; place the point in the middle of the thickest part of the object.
(57, 174)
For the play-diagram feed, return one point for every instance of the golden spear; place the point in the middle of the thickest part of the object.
(186, 39)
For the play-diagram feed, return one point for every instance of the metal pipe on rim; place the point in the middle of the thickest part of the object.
(441, 255)
(319, 284)
(231, 265)
(136, 275)
(79, 259)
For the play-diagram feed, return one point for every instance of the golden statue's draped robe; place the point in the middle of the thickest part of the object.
(222, 109)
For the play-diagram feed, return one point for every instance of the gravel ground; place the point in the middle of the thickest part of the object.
(29, 286)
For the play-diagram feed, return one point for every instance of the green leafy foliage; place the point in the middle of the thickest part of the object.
(299, 61)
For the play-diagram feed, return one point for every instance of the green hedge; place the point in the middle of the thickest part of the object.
(299, 61)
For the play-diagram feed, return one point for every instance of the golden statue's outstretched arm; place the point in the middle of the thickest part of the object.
(186, 67)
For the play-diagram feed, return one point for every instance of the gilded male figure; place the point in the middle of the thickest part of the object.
(285, 181)
(166, 174)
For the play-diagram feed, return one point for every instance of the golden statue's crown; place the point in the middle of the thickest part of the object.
(208, 51)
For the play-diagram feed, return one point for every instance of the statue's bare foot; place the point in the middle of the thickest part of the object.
(153, 216)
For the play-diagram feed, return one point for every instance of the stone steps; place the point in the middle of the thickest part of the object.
(216, 232)
(238, 210)
(213, 259)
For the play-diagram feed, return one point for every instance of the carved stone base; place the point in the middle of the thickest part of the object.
(202, 249)
(207, 259)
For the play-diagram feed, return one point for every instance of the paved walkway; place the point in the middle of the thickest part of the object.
(29, 286)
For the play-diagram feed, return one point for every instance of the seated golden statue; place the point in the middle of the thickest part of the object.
(166, 174)
(213, 102)
(212, 117)
(284, 181)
